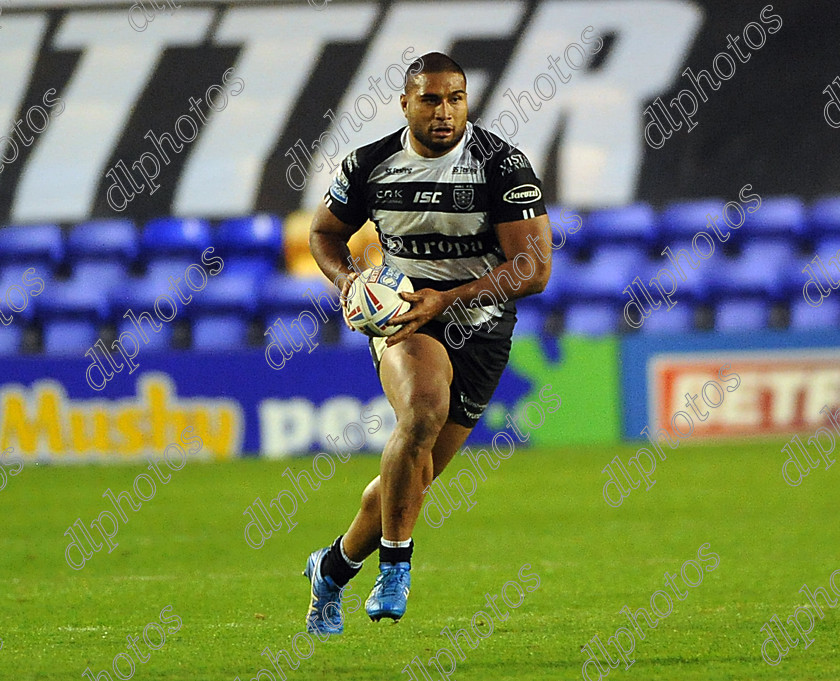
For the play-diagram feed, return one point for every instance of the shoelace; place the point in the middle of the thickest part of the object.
(396, 586)
(331, 595)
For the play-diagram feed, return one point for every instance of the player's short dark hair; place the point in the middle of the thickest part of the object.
(431, 62)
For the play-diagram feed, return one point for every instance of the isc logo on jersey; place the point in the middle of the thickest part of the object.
(427, 197)
(524, 193)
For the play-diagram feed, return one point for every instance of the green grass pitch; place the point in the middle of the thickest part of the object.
(185, 548)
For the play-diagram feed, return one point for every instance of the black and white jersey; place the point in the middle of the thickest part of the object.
(435, 216)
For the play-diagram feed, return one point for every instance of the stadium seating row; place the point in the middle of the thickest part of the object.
(778, 218)
(253, 243)
(258, 239)
(770, 270)
(219, 323)
(99, 270)
(104, 291)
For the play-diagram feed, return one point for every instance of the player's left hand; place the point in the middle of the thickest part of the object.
(426, 304)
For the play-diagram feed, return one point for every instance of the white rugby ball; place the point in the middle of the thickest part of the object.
(374, 299)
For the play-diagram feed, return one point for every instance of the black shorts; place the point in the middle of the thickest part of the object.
(477, 365)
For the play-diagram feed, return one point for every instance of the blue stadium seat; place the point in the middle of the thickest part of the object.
(605, 276)
(284, 297)
(102, 252)
(252, 244)
(256, 268)
(761, 270)
(139, 296)
(807, 318)
(282, 293)
(772, 252)
(742, 314)
(683, 219)
(15, 290)
(66, 300)
(160, 269)
(620, 252)
(797, 278)
(678, 319)
(105, 275)
(634, 224)
(563, 220)
(824, 218)
(38, 246)
(160, 340)
(556, 290)
(13, 272)
(69, 337)
(164, 238)
(828, 248)
(698, 280)
(221, 312)
(591, 318)
(111, 240)
(10, 338)
(225, 293)
(269, 320)
(778, 217)
(219, 332)
(70, 315)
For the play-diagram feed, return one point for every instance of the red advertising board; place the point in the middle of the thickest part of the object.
(738, 394)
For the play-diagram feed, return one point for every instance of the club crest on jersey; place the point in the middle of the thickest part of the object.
(339, 187)
(462, 197)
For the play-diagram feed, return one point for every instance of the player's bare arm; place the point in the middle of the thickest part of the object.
(518, 237)
(328, 237)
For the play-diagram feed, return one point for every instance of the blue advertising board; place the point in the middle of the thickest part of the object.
(237, 404)
(560, 391)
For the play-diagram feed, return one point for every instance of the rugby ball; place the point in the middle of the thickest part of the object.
(374, 299)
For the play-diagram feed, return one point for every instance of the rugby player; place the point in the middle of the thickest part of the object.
(453, 205)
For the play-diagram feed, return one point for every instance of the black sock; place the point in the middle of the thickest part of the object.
(400, 555)
(335, 567)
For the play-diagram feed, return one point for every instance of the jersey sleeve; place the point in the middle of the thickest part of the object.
(346, 196)
(514, 191)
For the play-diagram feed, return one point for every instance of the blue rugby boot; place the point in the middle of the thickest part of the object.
(390, 592)
(324, 614)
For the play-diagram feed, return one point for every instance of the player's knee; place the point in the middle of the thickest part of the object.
(430, 404)
(421, 431)
(422, 417)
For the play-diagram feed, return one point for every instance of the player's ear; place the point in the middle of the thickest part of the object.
(404, 102)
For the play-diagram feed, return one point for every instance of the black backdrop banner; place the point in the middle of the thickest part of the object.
(213, 109)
